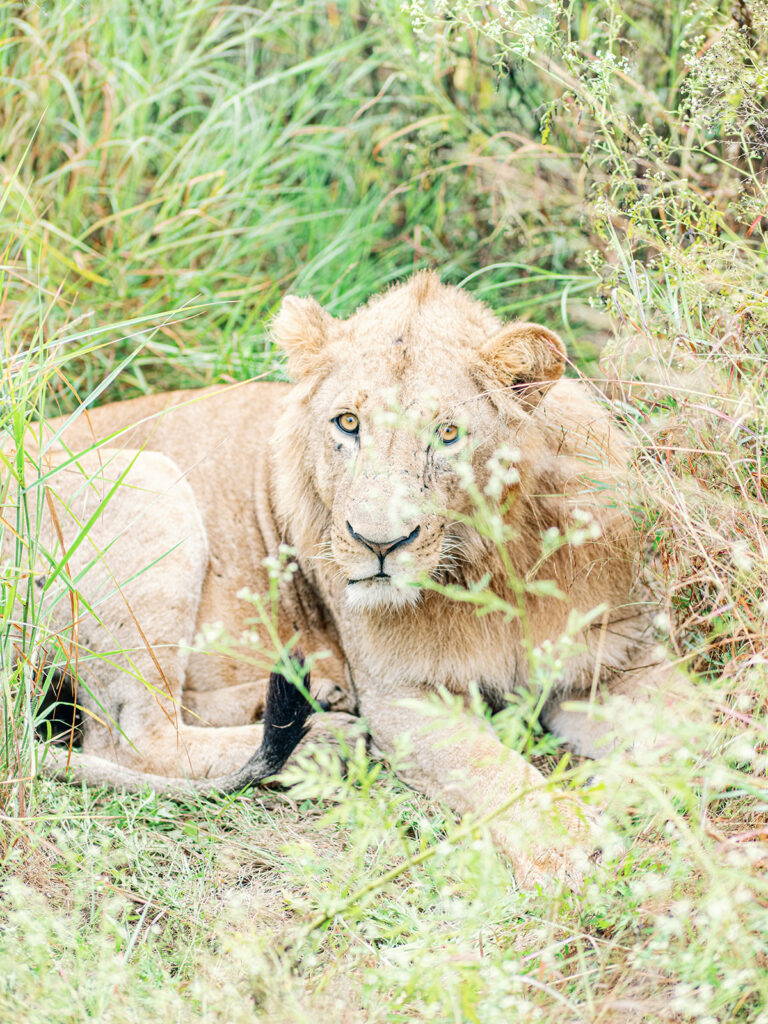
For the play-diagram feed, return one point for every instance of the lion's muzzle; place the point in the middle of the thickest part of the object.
(381, 548)
(384, 541)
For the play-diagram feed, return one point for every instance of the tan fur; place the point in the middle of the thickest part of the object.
(242, 469)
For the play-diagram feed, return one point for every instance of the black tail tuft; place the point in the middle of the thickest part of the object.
(285, 716)
(285, 723)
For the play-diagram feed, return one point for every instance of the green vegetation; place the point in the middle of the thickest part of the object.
(167, 172)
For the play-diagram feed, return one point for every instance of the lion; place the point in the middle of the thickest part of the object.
(367, 468)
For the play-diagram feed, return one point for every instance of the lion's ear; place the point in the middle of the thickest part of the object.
(301, 329)
(525, 357)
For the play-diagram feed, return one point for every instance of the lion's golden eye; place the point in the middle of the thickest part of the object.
(348, 422)
(448, 433)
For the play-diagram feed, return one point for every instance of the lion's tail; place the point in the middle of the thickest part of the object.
(285, 724)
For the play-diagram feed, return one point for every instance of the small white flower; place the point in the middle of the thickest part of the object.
(662, 623)
(741, 556)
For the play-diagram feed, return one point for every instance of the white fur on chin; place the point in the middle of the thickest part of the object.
(379, 596)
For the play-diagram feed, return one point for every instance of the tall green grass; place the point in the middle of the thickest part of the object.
(160, 155)
(167, 172)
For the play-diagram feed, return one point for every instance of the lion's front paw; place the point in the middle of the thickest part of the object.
(565, 858)
(331, 697)
(541, 867)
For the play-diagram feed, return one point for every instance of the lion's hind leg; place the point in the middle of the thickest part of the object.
(134, 574)
(125, 529)
(285, 724)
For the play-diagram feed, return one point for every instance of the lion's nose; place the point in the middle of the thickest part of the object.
(382, 548)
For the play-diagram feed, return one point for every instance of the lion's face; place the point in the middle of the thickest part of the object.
(400, 405)
(389, 468)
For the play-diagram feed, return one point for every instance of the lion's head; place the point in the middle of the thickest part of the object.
(387, 407)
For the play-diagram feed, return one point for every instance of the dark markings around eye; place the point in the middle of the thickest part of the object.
(429, 466)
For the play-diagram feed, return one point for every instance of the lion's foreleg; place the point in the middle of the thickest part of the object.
(638, 710)
(457, 758)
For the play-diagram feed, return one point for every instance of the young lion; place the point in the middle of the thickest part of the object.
(363, 468)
